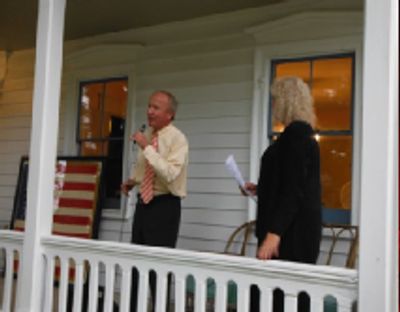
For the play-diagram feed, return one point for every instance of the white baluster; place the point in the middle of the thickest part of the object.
(180, 288)
(93, 286)
(344, 305)
(220, 300)
(8, 280)
(290, 302)
(200, 295)
(243, 297)
(125, 288)
(49, 286)
(63, 291)
(109, 287)
(266, 299)
(78, 286)
(143, 290)
(317, 303)
(161, 292)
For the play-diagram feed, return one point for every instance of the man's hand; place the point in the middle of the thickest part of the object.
(251, 188)
(127, 186)
(270, 247)
(140, 139)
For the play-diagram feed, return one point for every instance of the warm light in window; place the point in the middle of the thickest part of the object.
(317, 137)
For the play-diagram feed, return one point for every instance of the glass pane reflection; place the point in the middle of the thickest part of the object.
(332, 92)
(336, 163)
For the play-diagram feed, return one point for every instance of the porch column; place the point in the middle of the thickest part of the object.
(378, 276)
(46, 96)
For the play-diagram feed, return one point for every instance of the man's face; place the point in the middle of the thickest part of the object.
(159, 113)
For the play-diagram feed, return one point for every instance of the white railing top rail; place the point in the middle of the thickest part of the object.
(342, 279)
(11, 238)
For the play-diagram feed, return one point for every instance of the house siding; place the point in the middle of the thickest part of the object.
(15, 120)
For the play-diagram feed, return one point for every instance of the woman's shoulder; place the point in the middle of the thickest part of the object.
(296, 136)
(298, 128)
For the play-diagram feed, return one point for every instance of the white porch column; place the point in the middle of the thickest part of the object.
(46, 95)
(378, 276)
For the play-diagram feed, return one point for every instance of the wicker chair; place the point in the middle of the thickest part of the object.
(243, 233)
(343, 231)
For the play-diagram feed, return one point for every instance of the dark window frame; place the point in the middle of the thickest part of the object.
(110, 203)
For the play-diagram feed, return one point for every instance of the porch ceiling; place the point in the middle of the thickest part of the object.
(94, 17)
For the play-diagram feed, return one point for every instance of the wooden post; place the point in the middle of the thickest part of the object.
(45, 112)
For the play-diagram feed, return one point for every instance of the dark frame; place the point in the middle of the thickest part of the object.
(20, 196)
(114, 164)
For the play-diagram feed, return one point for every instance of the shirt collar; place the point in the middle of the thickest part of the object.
(165, 129)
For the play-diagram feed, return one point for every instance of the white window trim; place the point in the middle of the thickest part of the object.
(110, 61)
(264, 54)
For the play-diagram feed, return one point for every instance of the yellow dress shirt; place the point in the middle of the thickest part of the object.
(169, 162)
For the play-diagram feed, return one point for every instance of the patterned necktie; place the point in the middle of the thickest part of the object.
(146, 188)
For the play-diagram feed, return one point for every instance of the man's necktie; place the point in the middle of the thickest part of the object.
(146, 188)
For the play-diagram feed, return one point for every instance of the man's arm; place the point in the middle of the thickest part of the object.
(170, 166)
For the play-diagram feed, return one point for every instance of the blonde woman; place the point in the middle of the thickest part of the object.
(288, 225)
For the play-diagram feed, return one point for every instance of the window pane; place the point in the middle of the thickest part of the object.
(93, 148)
(90, 111)
(332, 92)
(115, 102)
(300, 69)
(336, 161)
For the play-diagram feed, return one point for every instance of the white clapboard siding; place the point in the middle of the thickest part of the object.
(204, 155)
(230, 74)
(8, 180)
(211, 185)
(6, 191)
(12, 97)
(218, 57)
(204, 93)
(16, 148)
(15, 134)
(15, 122)
(15, 125)
(9, 168)
(212, 216)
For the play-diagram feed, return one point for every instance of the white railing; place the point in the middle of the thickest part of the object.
(10, 253)
(110, 264)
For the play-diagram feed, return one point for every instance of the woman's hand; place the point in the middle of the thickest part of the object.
(270, 247)
(249, 188)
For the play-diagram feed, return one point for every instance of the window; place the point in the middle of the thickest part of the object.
(331, 79)
(101, 125)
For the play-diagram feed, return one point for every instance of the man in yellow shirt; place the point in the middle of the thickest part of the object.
(160, 175)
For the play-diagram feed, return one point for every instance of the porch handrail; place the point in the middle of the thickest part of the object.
(318, 281)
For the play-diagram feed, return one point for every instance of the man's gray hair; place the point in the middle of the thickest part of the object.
(172, 99)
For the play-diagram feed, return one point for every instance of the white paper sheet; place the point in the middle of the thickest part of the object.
(233, 169)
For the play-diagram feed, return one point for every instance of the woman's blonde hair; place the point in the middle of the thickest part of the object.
(292, 101)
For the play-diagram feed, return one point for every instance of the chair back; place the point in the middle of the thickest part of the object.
(240, 235)
(345, 232)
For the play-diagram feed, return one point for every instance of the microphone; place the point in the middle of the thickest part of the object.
(141, 129)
